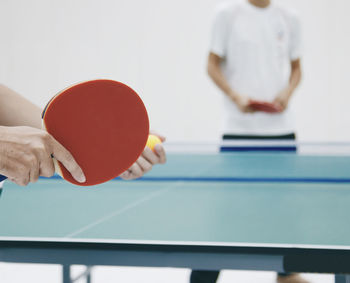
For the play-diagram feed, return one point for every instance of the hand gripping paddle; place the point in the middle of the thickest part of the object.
(264, 106)
(103, 123)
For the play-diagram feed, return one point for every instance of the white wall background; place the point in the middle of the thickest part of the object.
(159, 47)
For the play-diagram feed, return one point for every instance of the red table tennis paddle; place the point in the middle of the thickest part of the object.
(264, 106)
(103, 123)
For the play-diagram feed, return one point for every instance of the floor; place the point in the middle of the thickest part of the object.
(15, 273)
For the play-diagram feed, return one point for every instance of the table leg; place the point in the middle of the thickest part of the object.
(88, 277)
(66, 274)
(87, 274)
(342, 278)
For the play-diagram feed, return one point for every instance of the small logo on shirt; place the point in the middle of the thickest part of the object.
(280, 35)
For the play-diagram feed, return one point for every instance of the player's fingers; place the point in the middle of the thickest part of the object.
(144, 164)
(23, 179)
(68, 161)
(278, 102)
(44, 157)
(135, 171)
(47, 167)
(159, 149)
(161, 137)
(34, 173)
(125, 175)
(19, 175)
(281, 106)
(150, 156)
(32, 165)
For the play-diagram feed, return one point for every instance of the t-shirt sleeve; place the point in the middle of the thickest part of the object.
(219, 33)
(295, 48)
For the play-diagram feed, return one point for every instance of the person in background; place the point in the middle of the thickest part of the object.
(255, 54)
(26, 150)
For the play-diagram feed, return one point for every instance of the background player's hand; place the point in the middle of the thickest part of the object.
(242, 103)
(146, 161)
(25, 154)
(282, 99)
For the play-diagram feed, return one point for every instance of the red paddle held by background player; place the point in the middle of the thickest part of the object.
(264, 106)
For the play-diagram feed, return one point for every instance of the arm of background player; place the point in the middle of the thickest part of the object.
(216, 74)
(283, 97)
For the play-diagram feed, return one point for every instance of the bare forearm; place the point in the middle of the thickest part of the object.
(216, 74)
(295, 77)
(218, 78)
(15, 110)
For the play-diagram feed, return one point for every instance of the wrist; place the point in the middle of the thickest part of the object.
(289, 91)
(234, 96)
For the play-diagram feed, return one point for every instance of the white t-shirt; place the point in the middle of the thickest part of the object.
(257, 45)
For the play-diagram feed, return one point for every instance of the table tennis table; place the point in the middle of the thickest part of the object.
(280, 212)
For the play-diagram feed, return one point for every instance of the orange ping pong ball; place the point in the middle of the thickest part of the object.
(152, 141)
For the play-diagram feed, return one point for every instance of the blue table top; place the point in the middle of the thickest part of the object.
(167, 207)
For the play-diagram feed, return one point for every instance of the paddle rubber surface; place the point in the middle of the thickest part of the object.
(264, 106)
(103, 123)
